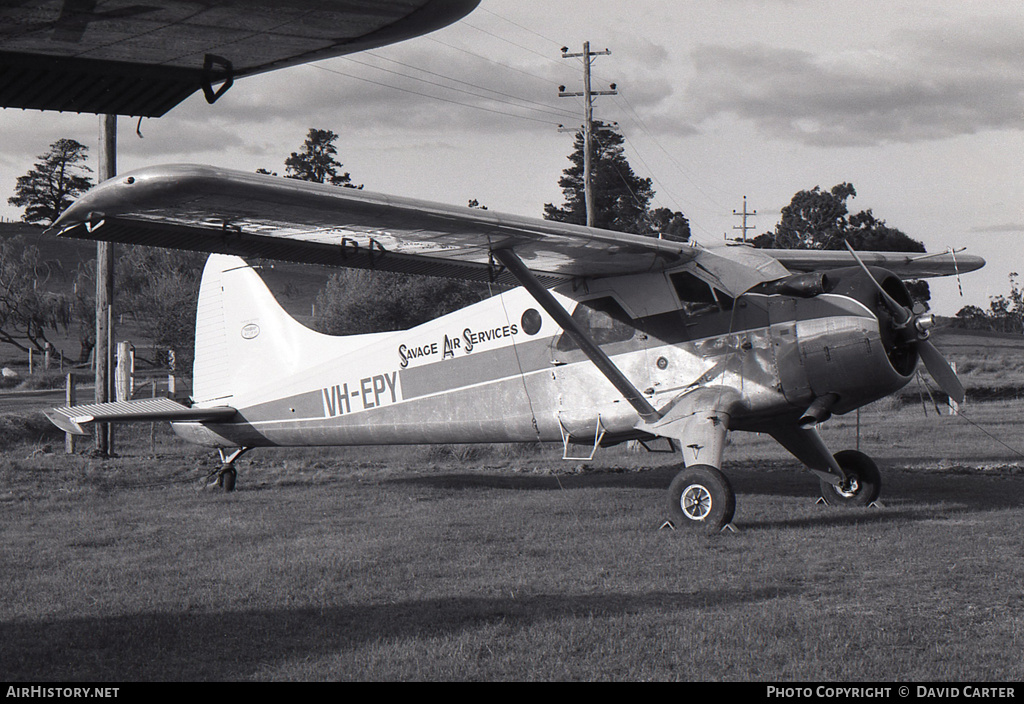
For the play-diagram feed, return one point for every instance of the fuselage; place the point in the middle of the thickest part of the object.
(503, 371)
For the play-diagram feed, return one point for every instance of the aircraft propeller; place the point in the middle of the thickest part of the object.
(913, 329)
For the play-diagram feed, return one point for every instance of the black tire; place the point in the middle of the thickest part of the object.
(226, 479)
(701, 498)
(865, 481)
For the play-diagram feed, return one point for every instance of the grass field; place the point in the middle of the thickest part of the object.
(507, 564)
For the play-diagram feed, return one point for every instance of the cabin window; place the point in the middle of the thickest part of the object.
(697, 296)
(601, 318)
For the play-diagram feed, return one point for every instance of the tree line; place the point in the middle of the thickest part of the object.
(160, 287)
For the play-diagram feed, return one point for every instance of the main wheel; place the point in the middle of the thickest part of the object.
(227, 477)
(701, 498)
(865, 482)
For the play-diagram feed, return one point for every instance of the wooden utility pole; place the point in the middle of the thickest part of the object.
(745, 215)
(588, 119)
(104, 350)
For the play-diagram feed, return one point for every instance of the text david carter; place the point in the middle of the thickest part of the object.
(904, 691)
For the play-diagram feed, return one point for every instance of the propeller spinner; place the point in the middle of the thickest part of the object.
(912, 330)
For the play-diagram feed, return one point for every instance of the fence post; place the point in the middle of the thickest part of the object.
(69, 400)
(152, 427)
(122, 373)
(954, 407)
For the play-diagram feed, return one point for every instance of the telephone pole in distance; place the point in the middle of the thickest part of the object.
(745, 215)
(588, 118)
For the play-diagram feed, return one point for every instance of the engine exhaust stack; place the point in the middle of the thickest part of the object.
(819, 411)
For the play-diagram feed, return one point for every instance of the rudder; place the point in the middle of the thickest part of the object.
(245, 340)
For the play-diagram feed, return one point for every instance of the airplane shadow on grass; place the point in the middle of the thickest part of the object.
(906, 494)
(195, 646)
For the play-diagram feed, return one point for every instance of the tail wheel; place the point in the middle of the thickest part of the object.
(701, 498)
(226, 478)
(864, 483)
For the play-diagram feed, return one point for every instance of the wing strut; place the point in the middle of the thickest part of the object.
(590, 348)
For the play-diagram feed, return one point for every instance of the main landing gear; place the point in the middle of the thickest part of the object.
(863, 484)
(224, 476)
(701, 498)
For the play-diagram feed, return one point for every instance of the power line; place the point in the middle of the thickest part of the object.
(546, 108)
(516, 24)
(433, 97)
(489, 60)
(508, 41)
(686, 173)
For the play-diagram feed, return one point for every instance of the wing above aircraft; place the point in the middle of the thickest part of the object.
(907, 265)
(144, 58)
(207, 209)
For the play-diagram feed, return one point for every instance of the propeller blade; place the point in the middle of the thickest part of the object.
(940, 370)
(900, 312)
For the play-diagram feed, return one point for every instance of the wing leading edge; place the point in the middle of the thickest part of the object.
(203, 208)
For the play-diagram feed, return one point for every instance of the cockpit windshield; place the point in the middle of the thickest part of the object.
(698, 297)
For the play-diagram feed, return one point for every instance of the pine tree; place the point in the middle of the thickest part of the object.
(316, 162)
(54, 182)
(621, 198)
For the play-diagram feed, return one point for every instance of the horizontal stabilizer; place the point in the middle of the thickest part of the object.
(71, 418)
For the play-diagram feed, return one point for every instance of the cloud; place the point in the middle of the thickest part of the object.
(1004, 228)
(929, 85)
(417, 88)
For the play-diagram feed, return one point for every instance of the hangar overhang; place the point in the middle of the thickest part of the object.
(143, 57)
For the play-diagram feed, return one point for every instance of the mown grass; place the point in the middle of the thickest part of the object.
(419, 564)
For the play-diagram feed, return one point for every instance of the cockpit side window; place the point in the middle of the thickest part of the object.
(697, 296)
(603, 319)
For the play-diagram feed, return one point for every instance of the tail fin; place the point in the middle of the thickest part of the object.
(241, 332)
(245, 339)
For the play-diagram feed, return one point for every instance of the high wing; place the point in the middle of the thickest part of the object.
(207, 209)
(144, 58)
(907, 265)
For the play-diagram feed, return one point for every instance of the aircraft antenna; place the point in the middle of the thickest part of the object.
(588, 117)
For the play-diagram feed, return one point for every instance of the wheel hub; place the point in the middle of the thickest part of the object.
(849, 489)
(696, 502)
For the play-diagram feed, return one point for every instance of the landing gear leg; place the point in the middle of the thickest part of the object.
(863, 481)
(226, 474)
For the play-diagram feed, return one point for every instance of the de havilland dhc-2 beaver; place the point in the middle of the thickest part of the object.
(608, 337)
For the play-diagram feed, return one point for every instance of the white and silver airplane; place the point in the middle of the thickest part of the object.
(609, 337)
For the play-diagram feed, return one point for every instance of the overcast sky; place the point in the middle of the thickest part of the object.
(918, 104)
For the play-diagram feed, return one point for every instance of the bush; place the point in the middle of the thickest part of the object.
(20, 428)
(355, 301)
